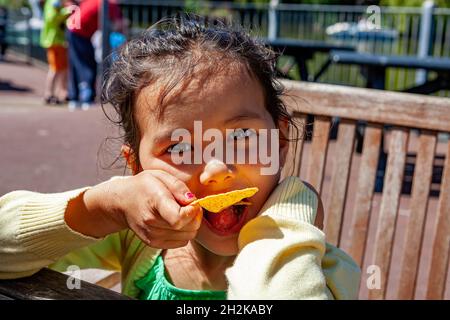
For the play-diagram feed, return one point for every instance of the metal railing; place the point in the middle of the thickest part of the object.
(22, 34)
(310, 22)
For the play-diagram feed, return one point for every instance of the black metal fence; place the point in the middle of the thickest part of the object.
(313, 22)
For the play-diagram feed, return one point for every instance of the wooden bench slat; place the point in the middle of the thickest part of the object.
(364, 192)
(390, 201)
(441, 241)
(319, 149)
(294, 156)
(339, 182)
(2, 297)
(51, 285)
(419, 202)
(383, 107)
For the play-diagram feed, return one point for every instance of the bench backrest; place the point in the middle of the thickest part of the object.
(350, 208)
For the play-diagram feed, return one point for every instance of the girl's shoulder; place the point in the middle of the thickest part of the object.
(294, 199)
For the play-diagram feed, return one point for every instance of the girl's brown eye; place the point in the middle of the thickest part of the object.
(179, 147)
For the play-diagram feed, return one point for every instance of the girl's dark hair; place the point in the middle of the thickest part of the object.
(168, 52)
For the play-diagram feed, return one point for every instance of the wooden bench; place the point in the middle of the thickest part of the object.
(51, 285)
(347, 187)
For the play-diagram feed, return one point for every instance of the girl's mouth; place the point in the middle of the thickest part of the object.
(228, 221)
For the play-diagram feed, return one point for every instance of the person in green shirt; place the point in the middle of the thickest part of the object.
(53, 39)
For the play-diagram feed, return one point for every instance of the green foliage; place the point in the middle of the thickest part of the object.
(344, 2)
(337, 2)
(13, 4)
(192, 5)
(251, 1)
(413, 3)
(396, 3)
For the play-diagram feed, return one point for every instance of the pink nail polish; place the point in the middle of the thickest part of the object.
(189, 195)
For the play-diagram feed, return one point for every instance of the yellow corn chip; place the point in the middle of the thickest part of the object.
(218, 202)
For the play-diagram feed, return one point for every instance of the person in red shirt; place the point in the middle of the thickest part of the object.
(82, 65)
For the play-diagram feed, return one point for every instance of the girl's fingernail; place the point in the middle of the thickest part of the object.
(189, 195)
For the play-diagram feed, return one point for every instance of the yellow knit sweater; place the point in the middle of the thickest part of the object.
(282, 255)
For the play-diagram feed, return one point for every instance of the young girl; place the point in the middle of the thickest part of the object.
(181, 71)
(53, 39)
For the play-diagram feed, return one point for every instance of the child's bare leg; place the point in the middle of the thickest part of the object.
(61, 84)
(50, 84)
(64, 84)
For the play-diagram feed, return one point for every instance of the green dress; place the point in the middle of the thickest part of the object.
(156, 286)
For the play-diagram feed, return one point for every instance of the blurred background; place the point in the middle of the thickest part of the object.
(392, 27)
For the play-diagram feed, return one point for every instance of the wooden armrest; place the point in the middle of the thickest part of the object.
(51, 285)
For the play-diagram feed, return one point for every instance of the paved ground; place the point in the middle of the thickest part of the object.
(49, 149)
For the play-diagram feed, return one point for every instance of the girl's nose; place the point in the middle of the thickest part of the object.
(216, 171)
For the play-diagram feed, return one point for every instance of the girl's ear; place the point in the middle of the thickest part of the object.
(283, 126)
(129, 156)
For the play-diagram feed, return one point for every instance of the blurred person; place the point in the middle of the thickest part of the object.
(116, 40)
(53, 39)
(82, 63)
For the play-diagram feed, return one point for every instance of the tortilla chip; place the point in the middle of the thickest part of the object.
(217, 202)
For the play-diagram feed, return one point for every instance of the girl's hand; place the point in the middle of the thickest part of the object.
(153, 203)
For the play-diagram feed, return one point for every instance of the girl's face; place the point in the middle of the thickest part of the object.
(228, 101)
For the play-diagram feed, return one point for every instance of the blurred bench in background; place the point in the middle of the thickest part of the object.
(374, 68)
